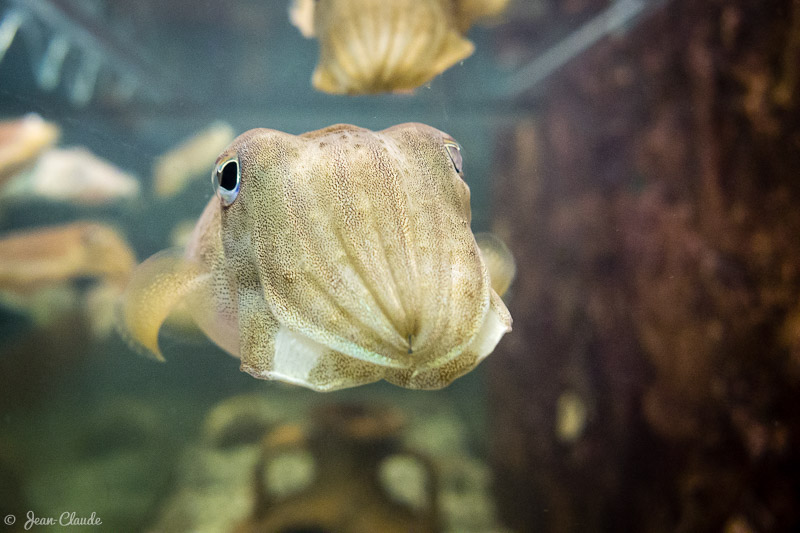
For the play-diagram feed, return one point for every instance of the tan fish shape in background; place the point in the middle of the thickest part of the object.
(372, 46)
(192, 158)
(73, 175)
(21, 142)
(333, 259)
(39, 266)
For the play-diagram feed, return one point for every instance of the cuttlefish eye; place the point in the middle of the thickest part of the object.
(227, 180)
(454, 151)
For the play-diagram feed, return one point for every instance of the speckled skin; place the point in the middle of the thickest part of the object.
(346, 257)
(370, 46)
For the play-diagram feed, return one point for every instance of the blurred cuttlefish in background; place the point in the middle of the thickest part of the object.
(372, 46)
(192, 158)
(41, 269)
(73, 175)
(21, 142)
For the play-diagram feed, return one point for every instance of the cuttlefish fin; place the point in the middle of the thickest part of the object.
(498, 260)
(156, 288)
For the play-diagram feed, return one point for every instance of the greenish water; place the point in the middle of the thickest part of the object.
(88, 426)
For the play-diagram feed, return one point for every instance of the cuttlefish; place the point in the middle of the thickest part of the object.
(21, 142)
(72, 175)
(372, 46)
(332, 259)
(173, 170)
(41, 269)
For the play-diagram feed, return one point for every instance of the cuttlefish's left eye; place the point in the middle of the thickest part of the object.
(454, 151)
(227, 178)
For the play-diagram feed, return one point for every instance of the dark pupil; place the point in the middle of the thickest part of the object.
(227, 178)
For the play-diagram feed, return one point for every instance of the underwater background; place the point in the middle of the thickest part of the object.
(639, 158)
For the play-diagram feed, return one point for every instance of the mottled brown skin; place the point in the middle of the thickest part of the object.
(346, 257)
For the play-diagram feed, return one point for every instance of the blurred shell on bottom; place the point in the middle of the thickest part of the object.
(265, 464)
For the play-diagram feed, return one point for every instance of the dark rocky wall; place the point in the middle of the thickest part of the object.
(652, 209)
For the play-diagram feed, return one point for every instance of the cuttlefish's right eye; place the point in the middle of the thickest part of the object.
(227, 179)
